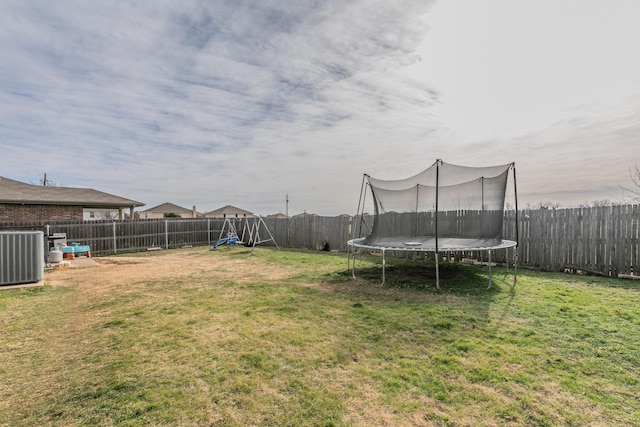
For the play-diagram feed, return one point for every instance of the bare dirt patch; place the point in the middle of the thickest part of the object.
(179, 264)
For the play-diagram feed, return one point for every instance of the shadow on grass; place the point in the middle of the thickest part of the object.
(237, 251)
(455, 278)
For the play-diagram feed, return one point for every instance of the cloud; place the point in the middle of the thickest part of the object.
(237, 102)
(209, 103)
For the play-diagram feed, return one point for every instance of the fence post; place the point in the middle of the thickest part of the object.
(166, 234)
(115, 247)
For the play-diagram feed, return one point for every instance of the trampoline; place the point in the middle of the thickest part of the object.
(446, 208)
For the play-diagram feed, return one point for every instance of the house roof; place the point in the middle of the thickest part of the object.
(14, 192)
(169, 208)
(229, 210)
(278, 215)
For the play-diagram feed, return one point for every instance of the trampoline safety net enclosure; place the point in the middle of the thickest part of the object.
(445, 208)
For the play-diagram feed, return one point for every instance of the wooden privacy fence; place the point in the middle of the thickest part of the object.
(598, 239)
(110, 237)
(311, 231)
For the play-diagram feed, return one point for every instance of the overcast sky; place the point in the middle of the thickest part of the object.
(210, 103)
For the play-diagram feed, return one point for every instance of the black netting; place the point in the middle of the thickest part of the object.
(445, 203)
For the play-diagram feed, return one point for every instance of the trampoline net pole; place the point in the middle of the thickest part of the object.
(515, 254)
(356, 227)
(437, 208)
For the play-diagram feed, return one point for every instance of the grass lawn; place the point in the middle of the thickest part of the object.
(287, 338)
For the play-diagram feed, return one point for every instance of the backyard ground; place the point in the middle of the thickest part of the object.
(230, 337)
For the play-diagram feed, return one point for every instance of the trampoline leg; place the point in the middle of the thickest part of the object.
(384, 263)
(437, 273)
(507, 258)
(351, 266)
(488, 287)
(351, 262)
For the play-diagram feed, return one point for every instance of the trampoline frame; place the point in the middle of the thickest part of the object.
(358, 243)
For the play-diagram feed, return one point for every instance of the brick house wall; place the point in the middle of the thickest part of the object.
(21, 213)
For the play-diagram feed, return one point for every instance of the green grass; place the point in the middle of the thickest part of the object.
(318, 348)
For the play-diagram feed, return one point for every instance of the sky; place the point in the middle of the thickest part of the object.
(247, 102)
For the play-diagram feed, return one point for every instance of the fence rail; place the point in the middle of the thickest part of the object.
(599, 239)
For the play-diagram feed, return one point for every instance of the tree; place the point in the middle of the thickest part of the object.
(597, 204)
(548, 206)
(45, 182)
(634, 193)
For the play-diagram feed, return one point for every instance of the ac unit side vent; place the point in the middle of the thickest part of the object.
(21, 257)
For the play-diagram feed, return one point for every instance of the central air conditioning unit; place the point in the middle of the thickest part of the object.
(21, 257)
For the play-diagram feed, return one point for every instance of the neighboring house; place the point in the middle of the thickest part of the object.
(303, 215)
(229, 212)
(21, 202)
(279, 215)
(169, 209)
